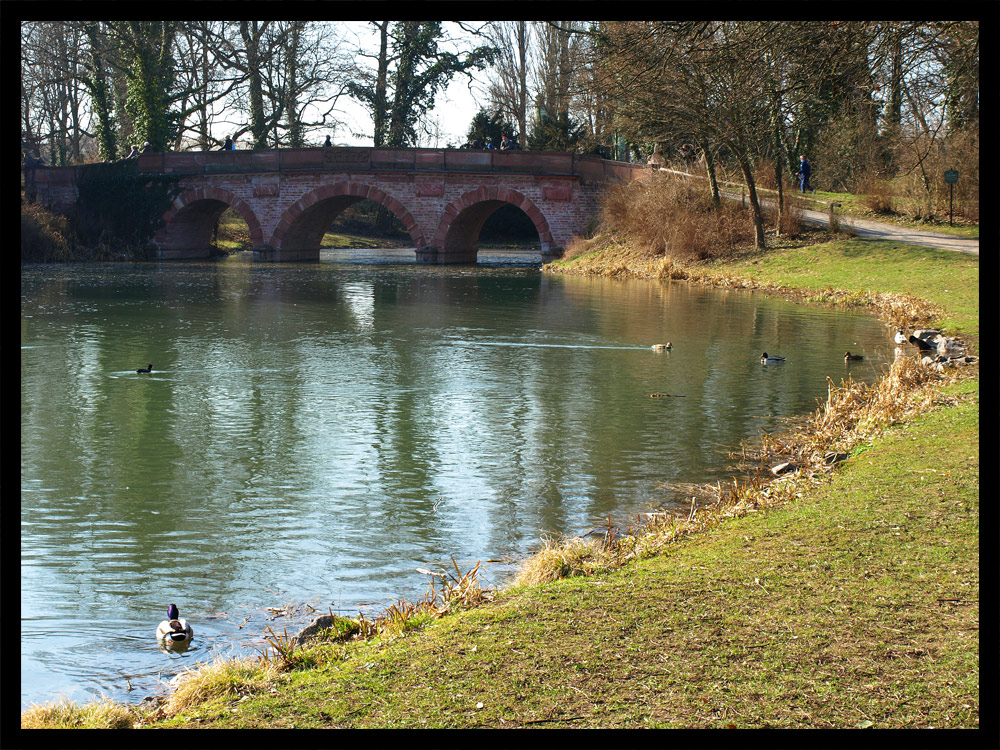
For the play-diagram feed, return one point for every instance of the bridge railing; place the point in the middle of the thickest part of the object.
(372, 159)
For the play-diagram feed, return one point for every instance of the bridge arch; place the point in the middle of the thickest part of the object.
(189, 222)
(458, 231)
(302, 225)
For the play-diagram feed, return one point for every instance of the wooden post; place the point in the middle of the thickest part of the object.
(951, 177)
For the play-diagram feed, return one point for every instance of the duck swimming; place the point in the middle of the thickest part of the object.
(662, 347)
(848, 357)
(764, 359)
(174, 630)
(146, 369)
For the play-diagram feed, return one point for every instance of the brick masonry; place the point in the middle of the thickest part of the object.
(289, 198)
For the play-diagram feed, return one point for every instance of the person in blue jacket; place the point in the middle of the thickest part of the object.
(804, 171)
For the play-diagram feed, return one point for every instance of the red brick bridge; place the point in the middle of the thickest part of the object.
(289, 197)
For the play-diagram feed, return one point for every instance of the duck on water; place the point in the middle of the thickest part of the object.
(148, 368)
(175, 630)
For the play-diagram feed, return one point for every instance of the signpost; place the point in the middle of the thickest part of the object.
(951, 177)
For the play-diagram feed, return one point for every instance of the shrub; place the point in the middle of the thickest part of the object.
(878, 196)
(44, 235)
(674, 217)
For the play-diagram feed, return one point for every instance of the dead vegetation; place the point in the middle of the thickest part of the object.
(670, 217)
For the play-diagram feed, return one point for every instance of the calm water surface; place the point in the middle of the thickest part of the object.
(315, 432)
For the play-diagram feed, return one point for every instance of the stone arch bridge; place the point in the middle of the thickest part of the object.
(289, 197)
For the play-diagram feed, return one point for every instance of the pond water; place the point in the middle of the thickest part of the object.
(313, 433)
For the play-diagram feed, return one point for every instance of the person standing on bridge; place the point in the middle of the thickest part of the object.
(134, 153)
(327, 143)
(228, 145)
(804, 171)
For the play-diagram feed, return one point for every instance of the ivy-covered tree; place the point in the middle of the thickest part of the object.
(146, 49)
(411, 70)
(97, 80)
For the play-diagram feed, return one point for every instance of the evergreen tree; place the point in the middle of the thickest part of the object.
(486, 127)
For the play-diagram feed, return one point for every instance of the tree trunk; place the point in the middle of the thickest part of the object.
(522, 83)
(258, 123)
(778, 160)
(380, 106)
(710, 169)
(759, 240)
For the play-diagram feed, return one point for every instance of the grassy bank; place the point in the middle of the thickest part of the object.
(845, 598)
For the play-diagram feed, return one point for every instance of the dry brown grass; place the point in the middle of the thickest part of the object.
(45, 236)
(669, 216)
(878, 196)
(65, 714)
(220, 679)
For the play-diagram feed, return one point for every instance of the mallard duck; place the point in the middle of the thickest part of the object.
(764, 359)
(848, 357)
(662, 347)
(149, 368)
(921, 344)
(174, 630)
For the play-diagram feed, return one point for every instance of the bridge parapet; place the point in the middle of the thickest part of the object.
(384, 159)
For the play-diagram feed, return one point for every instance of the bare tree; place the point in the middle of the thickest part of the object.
(508, 90)
(53, 115)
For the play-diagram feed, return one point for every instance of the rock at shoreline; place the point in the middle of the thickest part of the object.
(342, 627)
(949, 347)
(783, 468)
(940, 362)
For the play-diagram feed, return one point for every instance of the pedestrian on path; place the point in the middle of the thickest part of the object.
(804, 171)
